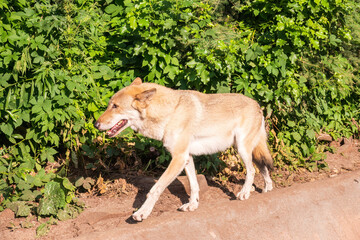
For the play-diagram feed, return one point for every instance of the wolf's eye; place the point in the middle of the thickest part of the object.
(115, 106)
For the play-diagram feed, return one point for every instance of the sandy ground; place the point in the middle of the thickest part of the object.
(303, 205)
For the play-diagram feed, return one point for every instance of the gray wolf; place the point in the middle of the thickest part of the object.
(190, 123)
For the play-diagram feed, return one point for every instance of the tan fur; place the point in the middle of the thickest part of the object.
(191, 123)
(262, 156)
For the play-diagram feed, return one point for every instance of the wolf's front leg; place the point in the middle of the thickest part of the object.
(176, 165)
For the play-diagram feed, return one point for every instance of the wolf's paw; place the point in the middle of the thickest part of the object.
(243, 194)
(267, 188)
(141, 214)
(189, 207)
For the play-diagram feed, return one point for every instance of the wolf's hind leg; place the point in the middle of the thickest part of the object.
(194, 187)
(263, 160)
(246, 156)
(267, 180)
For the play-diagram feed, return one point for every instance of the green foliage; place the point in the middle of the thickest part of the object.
(20, 208)
(42, 230)
(292, 62)
(61, 61)
(86, 183)
(54, 199)
(44, 227)
(46, 72)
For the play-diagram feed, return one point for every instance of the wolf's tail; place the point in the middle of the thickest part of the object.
(261, 154)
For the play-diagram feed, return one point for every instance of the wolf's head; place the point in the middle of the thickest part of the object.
(125, 108)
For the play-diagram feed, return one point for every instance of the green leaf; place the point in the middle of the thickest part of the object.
(296, 136)
(65, 214)
(7, 129)
(132, 22)
(29, 195)
(250, 55)
(92, 107)
(70, 211)
(54, 198)
(175, 61)
(39, 39)
(8, 97)
(42, 230)
(305, 149)
(293, 58)
(25, 115)
(70, 85)
(310, 133)
(291, 123)
(37, 181)
(68, 185)
(30, 134)
(20, 208)
(47, 106)
(204, 76)
(143, 23)
(47, 206)
(192, 63)
(23, 210)
(169, 23)
(3, 169)
(79, 182)
(223, 89)
(48, 154)
(113, 9)
(36, 108)
(22, 185)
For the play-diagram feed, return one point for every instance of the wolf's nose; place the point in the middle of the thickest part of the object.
(97, 124)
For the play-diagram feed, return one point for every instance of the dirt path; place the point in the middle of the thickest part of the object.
(327, 209)
(327, 206)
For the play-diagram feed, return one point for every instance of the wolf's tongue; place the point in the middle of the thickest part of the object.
(112, 132)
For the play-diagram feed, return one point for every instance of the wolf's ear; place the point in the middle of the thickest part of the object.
(137, 81)
(146, 95)
(143, 99)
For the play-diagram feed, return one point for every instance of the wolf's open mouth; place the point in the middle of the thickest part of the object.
(115, 130)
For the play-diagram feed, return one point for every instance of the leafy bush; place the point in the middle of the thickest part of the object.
(48, 91)
(61, 61)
